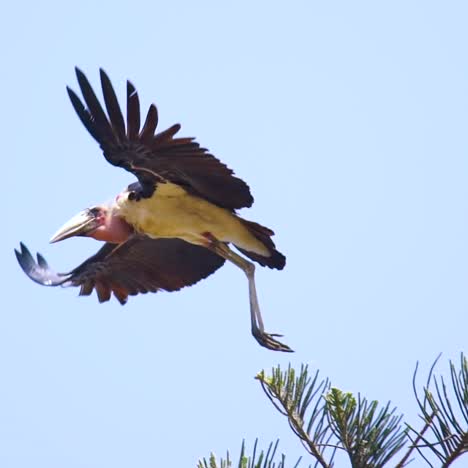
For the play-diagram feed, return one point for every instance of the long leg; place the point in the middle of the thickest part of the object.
(258, 330)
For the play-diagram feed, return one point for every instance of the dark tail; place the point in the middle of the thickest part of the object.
(263, 234)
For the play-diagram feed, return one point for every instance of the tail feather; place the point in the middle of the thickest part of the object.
(263, 234)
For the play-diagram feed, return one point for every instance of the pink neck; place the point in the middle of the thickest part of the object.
(115, 230)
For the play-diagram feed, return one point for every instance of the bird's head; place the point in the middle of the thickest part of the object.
(99, 222)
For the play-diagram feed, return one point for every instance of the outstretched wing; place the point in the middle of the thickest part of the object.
(154, 157)
(139, 265)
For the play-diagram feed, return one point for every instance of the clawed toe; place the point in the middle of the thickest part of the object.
(267, 341)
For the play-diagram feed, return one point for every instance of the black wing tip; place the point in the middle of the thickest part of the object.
(39, 271)
(83, 81)
(41, 261)
(174, 128)
(25, 259)
(152, 116)
(23, 254)
(18, 256)
(130, 88)
(81, 77)
(72, 95)
(79, 73)
(104, 76)
(122, 301)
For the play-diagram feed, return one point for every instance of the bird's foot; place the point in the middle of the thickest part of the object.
(267, 340)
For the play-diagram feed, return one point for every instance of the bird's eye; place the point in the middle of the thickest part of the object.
(132, 196)
(94, 211)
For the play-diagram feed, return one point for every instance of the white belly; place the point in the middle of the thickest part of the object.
(172, 212)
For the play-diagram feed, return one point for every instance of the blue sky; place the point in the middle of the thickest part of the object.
(349, 122)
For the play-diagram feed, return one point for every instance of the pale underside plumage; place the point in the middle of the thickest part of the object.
(173, 212)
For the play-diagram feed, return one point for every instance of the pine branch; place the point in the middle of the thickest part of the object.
(292, 397)
(263, 460)
(337, 420)
(327, 419)
(448, 423)
(370, 437)
(404, 461)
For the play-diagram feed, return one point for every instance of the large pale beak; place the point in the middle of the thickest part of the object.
(79, 225)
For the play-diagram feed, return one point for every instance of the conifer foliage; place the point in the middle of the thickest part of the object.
(331, 423)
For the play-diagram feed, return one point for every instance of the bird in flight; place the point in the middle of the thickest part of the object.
(171, 228)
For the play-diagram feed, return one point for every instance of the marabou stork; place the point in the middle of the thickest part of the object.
(170, 229)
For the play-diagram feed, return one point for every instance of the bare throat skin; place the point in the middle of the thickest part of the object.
(172, 212)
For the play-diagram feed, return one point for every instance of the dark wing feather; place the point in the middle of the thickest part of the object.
(113, 108)
(39, 271)
(155, 157)
(133, 113)
(140, 265)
